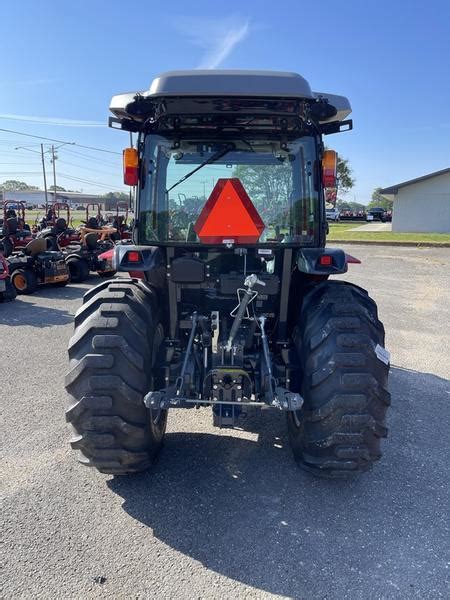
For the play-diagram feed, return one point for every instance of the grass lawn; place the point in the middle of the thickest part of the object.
(76, 216)
(342, 231)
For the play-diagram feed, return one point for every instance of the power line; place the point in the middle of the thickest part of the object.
(88, 181)
(56, 122)
(89, 158)
(40, 137)
(20, 173)
(9, 153)
(18, 153)
(60, 175)
(83, 168)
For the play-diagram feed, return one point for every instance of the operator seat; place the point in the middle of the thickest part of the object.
(91, 239)
(12, 226)
(36, 247)
(61, 225)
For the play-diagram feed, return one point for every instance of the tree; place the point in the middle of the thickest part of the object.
(121, 196)
(379, 200)
(13, 185)
(269, 187)
(344, 173)
(58, 188)
(349, 205)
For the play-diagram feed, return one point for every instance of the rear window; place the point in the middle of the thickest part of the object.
(278, 178)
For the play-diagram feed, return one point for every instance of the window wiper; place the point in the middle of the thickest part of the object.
(210, 160)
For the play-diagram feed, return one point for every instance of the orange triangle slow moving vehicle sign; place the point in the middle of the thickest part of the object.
(229, 216)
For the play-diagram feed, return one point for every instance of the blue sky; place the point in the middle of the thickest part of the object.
(62, 61)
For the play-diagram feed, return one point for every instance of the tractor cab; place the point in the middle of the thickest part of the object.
(193, 133)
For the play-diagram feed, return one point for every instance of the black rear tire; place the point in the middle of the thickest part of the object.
(339, 340)
(112, 366)
(79, 269)
(24, 281)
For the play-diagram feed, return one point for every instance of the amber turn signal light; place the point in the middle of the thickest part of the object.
(329, 169)
(130, 166)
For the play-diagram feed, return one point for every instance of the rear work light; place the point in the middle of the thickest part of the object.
(130, 166)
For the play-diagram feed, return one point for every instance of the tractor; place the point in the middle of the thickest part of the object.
(16, 233)
(232, 305)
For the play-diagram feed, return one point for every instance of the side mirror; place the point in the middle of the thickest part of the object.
(130, 166)
(329, 169)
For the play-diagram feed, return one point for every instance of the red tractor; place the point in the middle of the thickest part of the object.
(16, 233)
(237, 307)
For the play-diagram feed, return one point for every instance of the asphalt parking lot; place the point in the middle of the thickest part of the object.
(227, 514)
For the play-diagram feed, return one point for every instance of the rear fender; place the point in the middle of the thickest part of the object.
(144, 258)
(72, 255)
(324, 261)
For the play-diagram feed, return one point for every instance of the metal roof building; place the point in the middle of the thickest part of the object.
(421, 204)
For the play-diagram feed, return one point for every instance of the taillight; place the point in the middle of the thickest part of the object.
(325, 260)
(133, 256)
(130, 166)
(329, 169)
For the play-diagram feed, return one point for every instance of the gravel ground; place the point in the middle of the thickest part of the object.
(227, 514)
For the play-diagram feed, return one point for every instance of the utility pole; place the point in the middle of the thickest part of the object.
(54, 173)
(45, 178)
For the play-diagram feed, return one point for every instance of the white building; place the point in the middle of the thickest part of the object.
(421, 204)
(37, 197)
